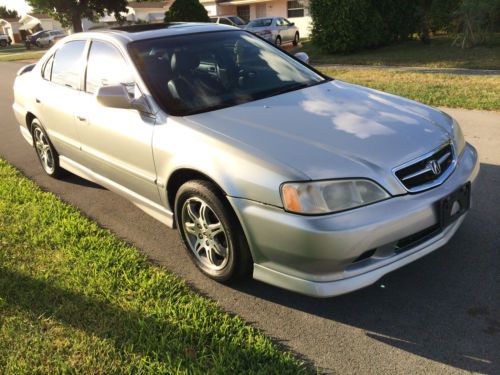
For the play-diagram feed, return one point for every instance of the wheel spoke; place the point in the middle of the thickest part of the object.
(198, 246)
(204, 209)
(191, 228)
(216, 229)
(222, 251)
(191, 214)
(210, 255)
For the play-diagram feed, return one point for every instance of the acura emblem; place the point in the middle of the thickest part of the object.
(434, 166)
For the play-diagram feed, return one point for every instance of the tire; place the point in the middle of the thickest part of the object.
(3, 43)
(277, 42)
(45, 151)
(211, 232)
(296, 39)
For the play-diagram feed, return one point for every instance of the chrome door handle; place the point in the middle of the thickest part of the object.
(81, 118)
(37, 100)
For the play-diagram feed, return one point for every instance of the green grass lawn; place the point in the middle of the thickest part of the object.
(438, 54)
(449, 90)
(19, 52)
(74, 298)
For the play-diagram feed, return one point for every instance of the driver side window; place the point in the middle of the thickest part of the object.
(106, 66)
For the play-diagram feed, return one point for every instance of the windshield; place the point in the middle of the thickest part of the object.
(196, 73)
(237, 20)
(261, 22)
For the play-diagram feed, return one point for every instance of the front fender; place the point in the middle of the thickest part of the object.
(237, 168)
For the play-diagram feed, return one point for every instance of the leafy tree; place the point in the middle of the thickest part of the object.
(71, 12)
(8, 13)
(476, 19)
(187, 11)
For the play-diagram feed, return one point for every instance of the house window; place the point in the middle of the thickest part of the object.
(295, 8)
(243, 11)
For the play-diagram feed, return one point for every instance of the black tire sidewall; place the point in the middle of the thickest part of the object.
(296, 39)
(238, 255)
(278, 41)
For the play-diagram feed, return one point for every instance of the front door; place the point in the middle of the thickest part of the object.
(116, 143)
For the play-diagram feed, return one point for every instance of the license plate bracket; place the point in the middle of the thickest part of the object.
(454, 205)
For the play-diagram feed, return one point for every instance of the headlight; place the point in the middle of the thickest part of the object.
(458, 137)
(322, 197)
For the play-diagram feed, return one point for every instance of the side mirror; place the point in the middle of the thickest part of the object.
(302, 56)
(117, 96)
(292, 23)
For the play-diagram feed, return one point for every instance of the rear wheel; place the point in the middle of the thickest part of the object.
(278, 41)
(211, 232)
(3, 43)
(47, 155)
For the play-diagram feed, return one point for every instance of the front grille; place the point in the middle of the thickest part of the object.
(427, 171)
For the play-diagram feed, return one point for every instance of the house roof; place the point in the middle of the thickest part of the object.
(148, 4)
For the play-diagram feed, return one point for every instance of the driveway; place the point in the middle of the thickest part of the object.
(440, 314)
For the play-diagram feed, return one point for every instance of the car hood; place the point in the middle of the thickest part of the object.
(334, 130)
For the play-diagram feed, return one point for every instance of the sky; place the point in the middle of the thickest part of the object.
(19, 5)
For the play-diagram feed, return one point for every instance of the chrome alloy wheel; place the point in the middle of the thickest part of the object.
(44, 150)
(205, 234)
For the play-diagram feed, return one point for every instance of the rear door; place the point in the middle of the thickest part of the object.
(116, 143)
(57, 97)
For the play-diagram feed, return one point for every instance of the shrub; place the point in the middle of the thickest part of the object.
(347, 25)
(187, 11)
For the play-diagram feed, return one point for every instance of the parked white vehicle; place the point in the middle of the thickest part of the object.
(229, 20)
(4, 40)
(50, 38)
(277, 30)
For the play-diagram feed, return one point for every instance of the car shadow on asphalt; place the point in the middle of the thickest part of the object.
(71, 178)
(444, 307)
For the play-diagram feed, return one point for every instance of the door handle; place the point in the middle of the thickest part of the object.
(38, 100)
(80, 118)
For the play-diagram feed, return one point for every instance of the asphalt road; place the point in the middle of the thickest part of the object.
(440, 314)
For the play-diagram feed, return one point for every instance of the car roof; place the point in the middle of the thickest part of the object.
(127, 34)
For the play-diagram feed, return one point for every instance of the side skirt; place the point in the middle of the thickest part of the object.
(151, 208)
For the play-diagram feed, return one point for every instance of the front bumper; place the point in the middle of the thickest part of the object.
(319, 255)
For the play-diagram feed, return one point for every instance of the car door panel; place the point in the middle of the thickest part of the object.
(116, 143)
(56, 98)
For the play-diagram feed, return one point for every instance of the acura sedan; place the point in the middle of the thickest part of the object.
(277, 30)
(264, 165)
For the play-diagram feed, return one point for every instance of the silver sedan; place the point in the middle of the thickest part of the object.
(277, 30)
(264, 165)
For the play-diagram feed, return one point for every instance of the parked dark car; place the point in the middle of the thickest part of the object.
(33, 38)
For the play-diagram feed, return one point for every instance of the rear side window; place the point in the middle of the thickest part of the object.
(68, 64)
(106, 66)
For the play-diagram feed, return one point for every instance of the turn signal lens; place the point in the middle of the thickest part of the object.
(291, 198)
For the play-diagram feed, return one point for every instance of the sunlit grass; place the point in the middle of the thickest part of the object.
(76, 299)
(449, 90)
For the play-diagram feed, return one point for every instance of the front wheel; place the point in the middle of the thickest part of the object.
(3, 43)
(296, 39)
(211, 232)
(47, 155)
(278, 41)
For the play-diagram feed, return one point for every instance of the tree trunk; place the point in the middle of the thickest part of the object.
(76, 21)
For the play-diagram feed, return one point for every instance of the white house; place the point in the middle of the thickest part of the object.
(37, 21)
(294, 10)
(10, 27)
(148, 11)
